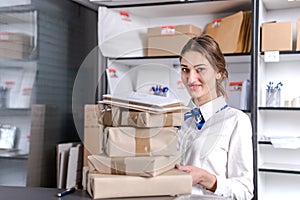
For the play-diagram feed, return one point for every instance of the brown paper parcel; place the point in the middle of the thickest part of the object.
(149, 120)
(130, 141)
(138, 166)
(173, 182)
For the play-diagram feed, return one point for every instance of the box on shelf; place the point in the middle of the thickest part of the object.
(173, 182)
(147, 166)
(233, 33)
(298, 35)
(169, 40)
(130, 141)
(15, 45)
(277, 36)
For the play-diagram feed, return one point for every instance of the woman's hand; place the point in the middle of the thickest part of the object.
(201, 176)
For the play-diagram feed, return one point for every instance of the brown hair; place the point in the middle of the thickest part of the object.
(210, 49)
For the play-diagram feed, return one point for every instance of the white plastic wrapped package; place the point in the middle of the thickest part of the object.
(121, 34)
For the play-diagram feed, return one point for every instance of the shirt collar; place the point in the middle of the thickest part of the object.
(211, 107)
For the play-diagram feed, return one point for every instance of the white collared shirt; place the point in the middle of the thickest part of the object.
(222, 147)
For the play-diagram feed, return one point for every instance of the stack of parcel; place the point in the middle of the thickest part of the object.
(137, 148)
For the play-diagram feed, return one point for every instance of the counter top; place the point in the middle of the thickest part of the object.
(39, 193)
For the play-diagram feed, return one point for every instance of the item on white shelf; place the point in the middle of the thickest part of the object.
(8, 136)
(296, 102)
(277, 36)
(119, 78)
(231, 32)
(273, 96)
(121, 34)
(142, 77)
(239, 94)
(286, 142)
(271, 56)
(3, 96)
(287, 103)
(168, 40)
(245, 95)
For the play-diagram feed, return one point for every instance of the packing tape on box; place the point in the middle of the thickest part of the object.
(118, 166)
(144, 119)
(109, 115)
(113, 166)
(169, 118)
(142, 142)
(132, 118)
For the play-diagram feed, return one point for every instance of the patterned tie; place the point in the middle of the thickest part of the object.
(199, 119)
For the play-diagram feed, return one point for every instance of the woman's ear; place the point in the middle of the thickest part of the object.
(218, 76)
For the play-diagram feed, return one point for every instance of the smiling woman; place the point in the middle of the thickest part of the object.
(218, 154)
(208, 60)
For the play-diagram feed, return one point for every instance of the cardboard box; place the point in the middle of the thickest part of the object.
(277, 36)
(173, 182)
(93, 132)
(117, 116)
(169, 40)
(147, 166)
(130, 141)
(15, 45)
(298, 35)
(148, 120)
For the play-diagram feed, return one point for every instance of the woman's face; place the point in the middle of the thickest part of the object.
(199, 77)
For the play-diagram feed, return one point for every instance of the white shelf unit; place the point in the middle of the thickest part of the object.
(278, 168)
(239, 67)
(198, 13)
(17, 73)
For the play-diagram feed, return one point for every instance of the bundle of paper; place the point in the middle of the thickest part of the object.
(144, 102)
(172, 182)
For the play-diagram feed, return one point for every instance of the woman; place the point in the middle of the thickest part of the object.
(216, 147)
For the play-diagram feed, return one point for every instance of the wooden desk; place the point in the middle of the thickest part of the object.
(38, 193)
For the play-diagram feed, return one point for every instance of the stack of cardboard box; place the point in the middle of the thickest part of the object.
(132, 153)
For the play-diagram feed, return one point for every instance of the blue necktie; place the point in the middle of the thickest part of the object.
(199, 119)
